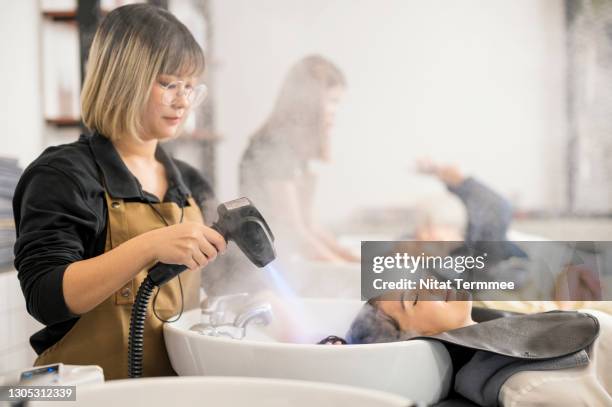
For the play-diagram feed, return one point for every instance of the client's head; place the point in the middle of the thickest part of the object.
(400, 316)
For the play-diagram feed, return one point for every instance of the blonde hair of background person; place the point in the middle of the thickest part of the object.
(275, 163)
(440, 217)
(141, 82)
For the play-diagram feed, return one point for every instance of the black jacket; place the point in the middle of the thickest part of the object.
(61, 217)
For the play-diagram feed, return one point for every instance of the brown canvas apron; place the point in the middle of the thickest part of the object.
(100, 336)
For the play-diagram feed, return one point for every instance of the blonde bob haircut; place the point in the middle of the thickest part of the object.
(133, 45)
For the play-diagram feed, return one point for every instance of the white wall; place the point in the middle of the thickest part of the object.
(21, 121)
(21, 136)
(478, 83)
(16, 326)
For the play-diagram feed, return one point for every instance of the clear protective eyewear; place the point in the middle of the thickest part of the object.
(195, 95)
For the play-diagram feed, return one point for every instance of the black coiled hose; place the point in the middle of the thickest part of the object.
(137, 321)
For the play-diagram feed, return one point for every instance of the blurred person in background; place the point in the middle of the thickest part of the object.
(274, 170)
(474, 212)
(472, 217)
(477, 218)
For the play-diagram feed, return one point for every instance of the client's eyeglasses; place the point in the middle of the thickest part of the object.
(195, 95)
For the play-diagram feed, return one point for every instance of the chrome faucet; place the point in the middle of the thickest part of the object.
(260, 315)
(214, 308)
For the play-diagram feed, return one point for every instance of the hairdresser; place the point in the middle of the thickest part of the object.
(275, 168)
(92, 216)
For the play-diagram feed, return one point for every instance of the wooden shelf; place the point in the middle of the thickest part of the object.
(68, 16)
(63, 122)
(60, 15)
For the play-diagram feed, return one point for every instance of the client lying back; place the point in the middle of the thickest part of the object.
(551, 358)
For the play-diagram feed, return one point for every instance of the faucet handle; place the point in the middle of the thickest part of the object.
(260, 314)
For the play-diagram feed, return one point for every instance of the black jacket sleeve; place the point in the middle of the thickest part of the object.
(56, 225)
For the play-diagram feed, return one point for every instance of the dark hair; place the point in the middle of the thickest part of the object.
(371, 325)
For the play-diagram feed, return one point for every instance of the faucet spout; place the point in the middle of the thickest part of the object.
(261, 315)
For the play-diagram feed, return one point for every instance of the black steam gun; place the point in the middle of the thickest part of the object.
(239, 221)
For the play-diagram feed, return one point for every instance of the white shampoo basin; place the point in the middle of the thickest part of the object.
(418, 370)
(225, 392)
